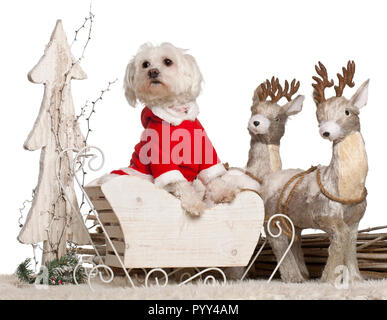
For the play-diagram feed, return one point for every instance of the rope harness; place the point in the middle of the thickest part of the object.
(336, 199)
(227, 167)
(282, 207)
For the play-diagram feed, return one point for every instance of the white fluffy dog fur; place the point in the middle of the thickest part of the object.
(178, 84)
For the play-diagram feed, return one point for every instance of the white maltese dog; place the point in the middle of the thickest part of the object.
(175, 152)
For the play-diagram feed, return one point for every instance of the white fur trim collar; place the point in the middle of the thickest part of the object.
(175, 115)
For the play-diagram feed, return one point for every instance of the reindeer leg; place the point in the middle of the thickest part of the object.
(299, 254)
(289, 269)
(339, 236)
(351, 255)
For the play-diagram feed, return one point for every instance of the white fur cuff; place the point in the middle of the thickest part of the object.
(210, 173)
(169, 177)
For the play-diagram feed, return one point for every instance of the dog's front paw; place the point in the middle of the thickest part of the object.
(220, 191)
(191, 202)
(194, 207)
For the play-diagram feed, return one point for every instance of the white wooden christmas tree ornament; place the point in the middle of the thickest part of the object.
(51, 218)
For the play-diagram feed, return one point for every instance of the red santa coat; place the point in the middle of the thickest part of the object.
(170, 153)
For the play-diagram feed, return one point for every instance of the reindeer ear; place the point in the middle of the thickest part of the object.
(256, 94)
(360, 98)
(294, 106)
(130, 93)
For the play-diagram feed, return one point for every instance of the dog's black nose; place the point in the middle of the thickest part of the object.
(326, 134)
(153, 73)
(256, 123)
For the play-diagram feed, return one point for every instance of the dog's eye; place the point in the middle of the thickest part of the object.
(347, 113)
(168, 62)
(145, 64)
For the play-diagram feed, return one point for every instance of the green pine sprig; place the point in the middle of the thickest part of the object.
(60, 271)
(24, 273)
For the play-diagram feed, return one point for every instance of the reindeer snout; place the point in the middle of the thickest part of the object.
(259, 124)
(153, 73)
(330, 130)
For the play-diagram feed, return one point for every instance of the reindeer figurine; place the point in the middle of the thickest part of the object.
(331, 198)
(267, 125)
(266, 128)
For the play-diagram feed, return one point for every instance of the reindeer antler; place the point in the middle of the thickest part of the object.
(274, 90)
(276, 87)
(263, 93)
(346, 78)
(294, 86)
(321, 84)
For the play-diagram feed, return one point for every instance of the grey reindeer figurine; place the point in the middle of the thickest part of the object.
(266, 127)
(330, 198)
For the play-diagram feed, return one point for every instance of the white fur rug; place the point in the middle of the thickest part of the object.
(11, 288)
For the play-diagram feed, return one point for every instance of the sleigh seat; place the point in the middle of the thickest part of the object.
(149, 229)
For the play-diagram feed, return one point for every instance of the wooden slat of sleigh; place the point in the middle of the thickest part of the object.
(98, 238)
(94, 192)
(119, 245)
(101, 204)
(108, 217)
(105, 217)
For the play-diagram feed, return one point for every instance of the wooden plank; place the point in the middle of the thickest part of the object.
(114, 232)
(373, 249)
(372, 265)
(88, 251)
(373, 274)
(94, 192)
(98, 238)
(119, 245)
(101, 204)
(107, 216)
(372, 256)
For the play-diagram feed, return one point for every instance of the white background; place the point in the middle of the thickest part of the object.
(237, 45)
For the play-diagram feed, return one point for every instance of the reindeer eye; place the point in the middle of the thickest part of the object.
(145, 64)
(277, 118)
(168, 62)
(347, 113)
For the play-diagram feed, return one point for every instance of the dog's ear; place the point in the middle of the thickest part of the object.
(128, 84)
(195, 75)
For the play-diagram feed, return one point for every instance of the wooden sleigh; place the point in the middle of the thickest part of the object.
(149, 228)
(145, 227)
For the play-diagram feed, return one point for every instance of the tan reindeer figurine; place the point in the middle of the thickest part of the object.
(331, 198)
